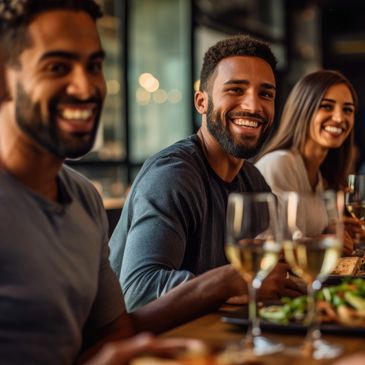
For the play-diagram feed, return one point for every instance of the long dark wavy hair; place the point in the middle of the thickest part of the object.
(298, 113)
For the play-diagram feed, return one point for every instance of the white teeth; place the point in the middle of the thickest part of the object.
(76, 114)
(246, 123)
(333, 130)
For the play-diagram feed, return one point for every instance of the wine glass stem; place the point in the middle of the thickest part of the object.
(254, 321)
(312, 318)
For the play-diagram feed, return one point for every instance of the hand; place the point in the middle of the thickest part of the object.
(238, 300)
(120, 353)
(278, 284)
(353, 227)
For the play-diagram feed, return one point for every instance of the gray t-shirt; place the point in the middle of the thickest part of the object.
(55, 278)
(172, 225)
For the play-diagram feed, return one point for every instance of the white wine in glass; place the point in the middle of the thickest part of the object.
(253, 250)
(355, 205)
(313, 253)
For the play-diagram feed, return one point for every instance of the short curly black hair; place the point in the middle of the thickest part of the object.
(16, 15)
(240, 45)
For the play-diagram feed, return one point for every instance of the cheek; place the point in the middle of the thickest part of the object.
(101, 87)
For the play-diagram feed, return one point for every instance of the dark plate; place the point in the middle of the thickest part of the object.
(239, 318)
(337, 279)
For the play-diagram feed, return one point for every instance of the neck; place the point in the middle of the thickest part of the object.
(224, 165)
(30, 164)
(313, 158)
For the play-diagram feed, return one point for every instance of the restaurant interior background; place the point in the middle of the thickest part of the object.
(154, 52)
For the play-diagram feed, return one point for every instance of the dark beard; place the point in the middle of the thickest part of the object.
(45, 132)
(242, 150)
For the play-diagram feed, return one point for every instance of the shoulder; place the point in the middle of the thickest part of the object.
(274, 157)
(178, 164)
(277, 161)
(282, 170)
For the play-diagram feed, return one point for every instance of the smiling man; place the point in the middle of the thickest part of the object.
(172, 225)
(56, 281)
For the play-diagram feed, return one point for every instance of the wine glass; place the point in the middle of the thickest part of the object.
(253, 250)
(355, 205)
(312, 234)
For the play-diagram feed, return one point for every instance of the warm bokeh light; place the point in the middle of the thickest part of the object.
(174, 96)
(143, 78)
(197, 85)
(113, 87)
(160, 96)
(143, 97)
(148, 82)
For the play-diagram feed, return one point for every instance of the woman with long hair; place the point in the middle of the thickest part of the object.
(312, 148)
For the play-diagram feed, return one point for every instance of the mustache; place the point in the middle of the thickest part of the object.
(255, 116)
(76, 101)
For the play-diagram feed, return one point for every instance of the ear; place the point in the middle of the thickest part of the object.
(201, 101)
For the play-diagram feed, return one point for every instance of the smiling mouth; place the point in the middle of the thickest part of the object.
(246, 123)
(334, 130)
(77, 119)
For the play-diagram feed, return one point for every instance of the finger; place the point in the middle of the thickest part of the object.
(292, 293)
(238, 300)
(295, 283)
(119, 353)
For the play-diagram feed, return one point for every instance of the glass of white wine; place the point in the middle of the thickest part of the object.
(312, 251)
(253, 250)
(355, 205)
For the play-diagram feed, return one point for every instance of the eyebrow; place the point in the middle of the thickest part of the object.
(266, 85)
(334, 101)
(70, 55)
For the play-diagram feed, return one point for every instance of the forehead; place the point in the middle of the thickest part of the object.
(252, 69)
(69, 30)
(339, 92)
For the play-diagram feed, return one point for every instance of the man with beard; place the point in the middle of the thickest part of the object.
(172, 226)
(59, 299)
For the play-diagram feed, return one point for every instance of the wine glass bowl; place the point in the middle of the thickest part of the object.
(253, 250)
(355, 205)
(312, 252)
(355, 197)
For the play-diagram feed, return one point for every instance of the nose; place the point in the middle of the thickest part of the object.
(81, 84)
(251, 102)
(338, 114)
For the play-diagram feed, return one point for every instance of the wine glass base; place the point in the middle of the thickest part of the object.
(263, 346)
(318, 349)
(248, 350)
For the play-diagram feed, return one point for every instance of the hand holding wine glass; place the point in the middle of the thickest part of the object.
(253, 250)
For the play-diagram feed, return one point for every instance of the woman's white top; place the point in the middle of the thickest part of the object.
(284, 171)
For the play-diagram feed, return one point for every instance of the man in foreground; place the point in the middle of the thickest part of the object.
(60, 301)
(172, 225)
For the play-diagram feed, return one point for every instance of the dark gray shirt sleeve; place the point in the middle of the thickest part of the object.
(158, 214)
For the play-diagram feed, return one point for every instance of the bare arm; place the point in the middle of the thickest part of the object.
(204, 294)
(189, 300)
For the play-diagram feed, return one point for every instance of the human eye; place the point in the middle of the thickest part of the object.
(326, 106)
(95, 67)
(57, 68)
(235, 90)
(348, 109)
(267, 94)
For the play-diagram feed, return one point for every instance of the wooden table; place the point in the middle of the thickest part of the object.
(217, 334)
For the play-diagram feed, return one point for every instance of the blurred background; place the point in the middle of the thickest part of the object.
(154, 52)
